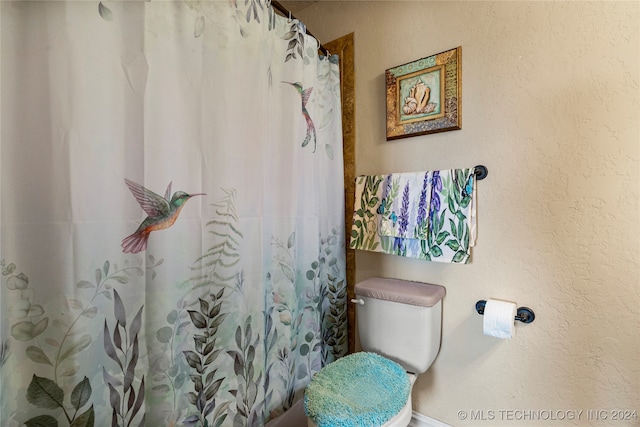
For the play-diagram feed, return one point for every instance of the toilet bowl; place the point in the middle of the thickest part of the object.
(399, 325)
(402, 418)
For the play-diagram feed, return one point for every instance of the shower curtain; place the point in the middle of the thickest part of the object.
(172, 239)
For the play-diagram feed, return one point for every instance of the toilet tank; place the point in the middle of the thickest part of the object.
(400, 320)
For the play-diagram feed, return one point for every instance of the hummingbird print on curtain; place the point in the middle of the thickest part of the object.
(305, 94)
(162, 213)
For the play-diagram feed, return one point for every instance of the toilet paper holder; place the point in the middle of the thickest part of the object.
(523, 314)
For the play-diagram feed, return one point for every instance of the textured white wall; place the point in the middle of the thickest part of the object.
(551, 105)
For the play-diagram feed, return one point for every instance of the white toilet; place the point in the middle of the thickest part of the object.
(398, 320)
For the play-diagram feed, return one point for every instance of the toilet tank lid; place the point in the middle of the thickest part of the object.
(402, 291)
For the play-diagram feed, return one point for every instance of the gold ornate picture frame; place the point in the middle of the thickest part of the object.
(424, 96)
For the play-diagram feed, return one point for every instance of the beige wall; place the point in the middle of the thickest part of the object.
(551, 106)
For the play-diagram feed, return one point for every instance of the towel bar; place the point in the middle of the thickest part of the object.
(524, 314)
(481, 172)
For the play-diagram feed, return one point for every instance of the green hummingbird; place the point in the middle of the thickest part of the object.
(305, 94)
(162, 213)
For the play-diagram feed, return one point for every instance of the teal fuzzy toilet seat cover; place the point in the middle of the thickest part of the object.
(359, 390)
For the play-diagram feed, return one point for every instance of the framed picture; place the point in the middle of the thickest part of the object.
(424, 96)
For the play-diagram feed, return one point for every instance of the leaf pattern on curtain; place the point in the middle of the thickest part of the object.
(123, 348)
(295, 40)
(59, 346)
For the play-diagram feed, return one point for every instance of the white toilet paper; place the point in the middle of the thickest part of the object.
(499, 319)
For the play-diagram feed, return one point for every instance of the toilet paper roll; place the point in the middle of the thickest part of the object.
(499, 319)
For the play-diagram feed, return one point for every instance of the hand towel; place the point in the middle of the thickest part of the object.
(426, 215)
(452, 215)
(405, 204)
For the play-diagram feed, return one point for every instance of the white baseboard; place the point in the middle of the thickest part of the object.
(419, 420)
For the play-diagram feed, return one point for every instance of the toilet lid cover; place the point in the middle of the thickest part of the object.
(360, 390)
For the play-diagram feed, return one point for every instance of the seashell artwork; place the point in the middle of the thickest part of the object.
(418, 100)
(424, 96)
